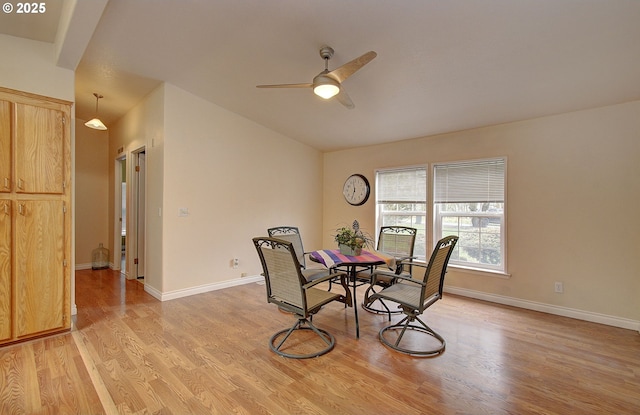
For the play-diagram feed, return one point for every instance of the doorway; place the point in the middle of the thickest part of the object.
(138, 212)
(120, 212)
(130, 219)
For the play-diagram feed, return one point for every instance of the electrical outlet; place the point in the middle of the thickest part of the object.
(235, 262)
(559, 288)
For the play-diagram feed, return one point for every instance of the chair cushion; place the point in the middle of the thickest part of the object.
(403, 293)
(317, 298)
(311, 274)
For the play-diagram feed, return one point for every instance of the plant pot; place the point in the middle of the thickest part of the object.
(347, 250)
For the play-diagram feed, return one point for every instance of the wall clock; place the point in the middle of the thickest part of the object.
(356, 190)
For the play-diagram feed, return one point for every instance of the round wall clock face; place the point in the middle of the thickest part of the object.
(356, 190)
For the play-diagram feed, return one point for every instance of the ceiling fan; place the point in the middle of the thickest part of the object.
(327, 84)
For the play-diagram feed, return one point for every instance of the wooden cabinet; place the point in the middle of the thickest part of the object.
(5, 270)
(39, 250)
(5, 146)
(35, 221)
(39, 162)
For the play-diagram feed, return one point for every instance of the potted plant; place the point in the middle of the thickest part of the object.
(351, 240)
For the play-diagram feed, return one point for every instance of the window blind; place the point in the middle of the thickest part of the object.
(469, 181)
(402, 185)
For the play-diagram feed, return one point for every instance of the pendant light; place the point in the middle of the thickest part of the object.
(95, 123)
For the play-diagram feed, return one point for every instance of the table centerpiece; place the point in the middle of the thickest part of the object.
(352, 240)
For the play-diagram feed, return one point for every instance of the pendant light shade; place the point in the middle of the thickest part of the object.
(325, 87)
(326, 91)
(95, 123)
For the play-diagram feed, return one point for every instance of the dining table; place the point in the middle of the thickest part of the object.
(333, 259)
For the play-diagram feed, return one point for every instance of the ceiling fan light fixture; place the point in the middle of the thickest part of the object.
(325, 87)
(326, 91)
(95, 123)
(327, 84)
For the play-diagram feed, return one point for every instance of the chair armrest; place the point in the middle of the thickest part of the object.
(409, 278)
(323, 279)
(343, 281)
(404, 258)
(377, 271)
(391, 274)
(402, 261)
(414, 263)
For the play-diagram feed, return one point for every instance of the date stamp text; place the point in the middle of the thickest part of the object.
(24, 8)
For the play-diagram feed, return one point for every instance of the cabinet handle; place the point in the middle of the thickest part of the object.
(21, 209)
(6, 182)
(5, 208)
(20, 184)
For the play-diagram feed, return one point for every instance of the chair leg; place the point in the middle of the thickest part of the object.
(326, 337)
(332, 280)
(407, 324)
(366, 304)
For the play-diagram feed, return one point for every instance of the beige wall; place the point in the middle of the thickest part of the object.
(234, 176)
(29, 66)
(237, 178)
(572, 198)
(92, 193)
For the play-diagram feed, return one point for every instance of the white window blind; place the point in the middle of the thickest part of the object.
(469, 182)
(402, 186)
(401, 200)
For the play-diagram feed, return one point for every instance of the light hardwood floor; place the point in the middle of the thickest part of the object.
(208, 354)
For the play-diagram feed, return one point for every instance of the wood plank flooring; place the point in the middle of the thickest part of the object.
(209, 354)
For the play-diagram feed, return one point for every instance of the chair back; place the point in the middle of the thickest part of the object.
(436, 270)
(290, 234)
(282, 274)
(398, 241)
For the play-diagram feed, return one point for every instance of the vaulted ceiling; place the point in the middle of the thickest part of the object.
(442, 66)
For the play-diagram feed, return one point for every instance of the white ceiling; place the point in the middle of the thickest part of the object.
(442, 66)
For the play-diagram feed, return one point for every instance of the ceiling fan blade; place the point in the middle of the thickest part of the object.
(349, 68)
(345, 99)
(285, 86)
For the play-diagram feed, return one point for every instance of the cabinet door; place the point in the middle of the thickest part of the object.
(40, 276)
(5, 146)
(5, 269)
(39, 150)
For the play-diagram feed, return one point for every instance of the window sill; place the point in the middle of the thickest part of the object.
(480, 272)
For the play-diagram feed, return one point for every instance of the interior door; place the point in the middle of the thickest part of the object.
(140, 194)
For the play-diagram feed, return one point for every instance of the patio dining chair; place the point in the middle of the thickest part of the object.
(290, 291)
(414, 296)
(292, 234)
(396, 241)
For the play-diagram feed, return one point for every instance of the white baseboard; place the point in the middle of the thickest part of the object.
(624, 323)
(83, 266)
(90, 265)
(172, 295)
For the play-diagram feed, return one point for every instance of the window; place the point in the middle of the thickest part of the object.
(468, 202)
(401, 200)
